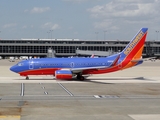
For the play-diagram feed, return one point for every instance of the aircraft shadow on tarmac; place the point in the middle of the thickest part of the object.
(127, 79)
(93, 79)
(86, 80)
(99, 82)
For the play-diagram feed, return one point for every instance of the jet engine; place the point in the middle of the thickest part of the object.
(63, 74)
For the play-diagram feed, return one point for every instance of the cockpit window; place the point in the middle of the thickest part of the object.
(20, 64)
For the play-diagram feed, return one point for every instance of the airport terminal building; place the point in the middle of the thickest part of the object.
(68, 47)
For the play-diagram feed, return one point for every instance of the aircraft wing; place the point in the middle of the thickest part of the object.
(78, 70)
(87, 68)
(115, 61)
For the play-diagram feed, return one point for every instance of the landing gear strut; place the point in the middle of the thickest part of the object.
(27, 78)
(80, 77)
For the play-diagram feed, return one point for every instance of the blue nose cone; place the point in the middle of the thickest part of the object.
(13, 68)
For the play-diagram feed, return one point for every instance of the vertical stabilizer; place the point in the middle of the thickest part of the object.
(135, 47)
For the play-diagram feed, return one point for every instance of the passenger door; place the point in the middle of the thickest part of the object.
(31, 64)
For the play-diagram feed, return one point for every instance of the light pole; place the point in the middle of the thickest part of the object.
(157, 33)
(96, 35)
(105, 31)
(48, 34)
(51, 33)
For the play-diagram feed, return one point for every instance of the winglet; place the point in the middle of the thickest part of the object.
(92, 56)
(115, 61)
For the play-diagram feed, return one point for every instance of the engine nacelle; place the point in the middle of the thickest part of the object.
(63, 74)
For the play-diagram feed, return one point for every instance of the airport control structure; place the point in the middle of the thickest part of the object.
(70, 47)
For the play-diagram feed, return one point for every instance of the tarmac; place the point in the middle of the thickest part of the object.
(131, 94)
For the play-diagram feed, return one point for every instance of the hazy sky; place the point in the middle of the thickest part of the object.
(78, 19)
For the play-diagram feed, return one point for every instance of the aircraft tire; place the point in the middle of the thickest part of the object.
(27, 78)
(80, 77)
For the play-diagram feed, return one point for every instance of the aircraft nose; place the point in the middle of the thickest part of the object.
(12, 68)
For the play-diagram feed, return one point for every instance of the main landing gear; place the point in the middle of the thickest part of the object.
(80, 77)
(27, 78)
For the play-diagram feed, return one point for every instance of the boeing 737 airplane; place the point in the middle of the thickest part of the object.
(68, 68)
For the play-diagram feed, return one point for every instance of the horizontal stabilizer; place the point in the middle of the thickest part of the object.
(136, 60)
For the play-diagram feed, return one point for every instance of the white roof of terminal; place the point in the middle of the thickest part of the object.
(69, 40)
(61, 40)
(54, 39)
